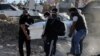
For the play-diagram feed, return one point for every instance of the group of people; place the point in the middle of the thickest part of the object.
(53, 28)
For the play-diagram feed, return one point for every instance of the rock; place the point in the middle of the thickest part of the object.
(3, 17)
(1, 46)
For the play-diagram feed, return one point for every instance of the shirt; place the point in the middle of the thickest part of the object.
(25, 20)
(80, 22)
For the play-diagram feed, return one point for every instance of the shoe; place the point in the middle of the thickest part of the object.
(69, 53)
(77, 55)
(53, 55)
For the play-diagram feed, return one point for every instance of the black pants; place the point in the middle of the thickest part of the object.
(21, 41)
(47, 44)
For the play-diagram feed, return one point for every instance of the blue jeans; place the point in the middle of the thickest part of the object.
(77, 42)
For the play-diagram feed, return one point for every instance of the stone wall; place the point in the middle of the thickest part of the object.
(8, 32)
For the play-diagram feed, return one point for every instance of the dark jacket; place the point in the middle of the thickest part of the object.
(53, 28)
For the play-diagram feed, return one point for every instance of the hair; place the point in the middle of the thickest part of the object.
(46, 14)
(55, 10)
(73, 9)
(25, 11)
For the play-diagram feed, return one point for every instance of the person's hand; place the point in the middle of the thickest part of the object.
(43, 37)
(28, 37)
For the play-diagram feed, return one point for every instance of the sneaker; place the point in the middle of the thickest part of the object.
(53, 55)
(70, 54)
(77, 55)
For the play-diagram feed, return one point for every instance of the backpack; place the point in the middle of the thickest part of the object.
(60, 28)
(55, 27)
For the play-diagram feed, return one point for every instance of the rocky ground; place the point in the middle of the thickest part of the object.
(9, 44)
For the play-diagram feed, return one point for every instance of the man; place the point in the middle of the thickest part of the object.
(51, 33)
(78, 32)
(24, 22)
(46, 15)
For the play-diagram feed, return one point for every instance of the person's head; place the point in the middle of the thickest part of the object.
(25, 12)
(46, 14)
(73, 10)
(54, 12)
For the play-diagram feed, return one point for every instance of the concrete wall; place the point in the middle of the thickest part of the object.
(92, 41)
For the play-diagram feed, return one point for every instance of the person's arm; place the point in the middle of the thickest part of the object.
(22, 26)
(45, 29)
(44, 35)
(24, 31)
(73, 27)
(31, 20)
